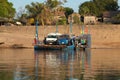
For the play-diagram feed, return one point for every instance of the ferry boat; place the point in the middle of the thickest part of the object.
(54, 41)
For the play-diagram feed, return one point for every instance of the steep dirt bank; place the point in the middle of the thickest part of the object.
(103, 36)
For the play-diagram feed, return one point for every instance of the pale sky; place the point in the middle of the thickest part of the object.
(70, 3)
(74, 4)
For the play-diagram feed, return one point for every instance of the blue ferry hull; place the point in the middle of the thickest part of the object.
(54, 47)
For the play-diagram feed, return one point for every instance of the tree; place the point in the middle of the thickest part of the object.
(23, 19)
(45, 16)
(84, 8)
(20, 12)
(88, 8)
(68, 11)
(97, 7)
(116, 19)
(34, 9)
(44, 12)
(76, 19)
(106, 5)
(6, 9)
(54, 3)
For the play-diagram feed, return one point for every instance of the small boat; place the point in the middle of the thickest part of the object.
(84, 40)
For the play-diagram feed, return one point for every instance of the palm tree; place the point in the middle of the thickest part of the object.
(34, 9)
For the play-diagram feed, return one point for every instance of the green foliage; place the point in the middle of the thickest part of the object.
(76, 19)
(23, 19)
(88, 8)
(97, 7)
(106, 5)
(34, 9)
(116, 19)
(68, 11)
(44, 12)
(38, 11)
(45, 16)
(52, 3)
(6, 9)
(62, 21)
(30, 21)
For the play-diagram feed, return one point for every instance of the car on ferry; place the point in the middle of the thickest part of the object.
(52, 38)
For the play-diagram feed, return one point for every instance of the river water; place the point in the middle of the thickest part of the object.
(27, 64)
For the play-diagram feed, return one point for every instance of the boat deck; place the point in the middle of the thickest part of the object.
(49, 47)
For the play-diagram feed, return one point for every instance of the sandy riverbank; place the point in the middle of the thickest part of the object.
(103, 36)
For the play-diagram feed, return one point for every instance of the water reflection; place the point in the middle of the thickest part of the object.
(36, 66)
(14, 64)
(98, 64)
(106, 64)
(62, 65)
(84, 57)
(19, 74)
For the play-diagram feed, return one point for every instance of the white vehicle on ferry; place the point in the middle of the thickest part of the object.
(52, 38)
